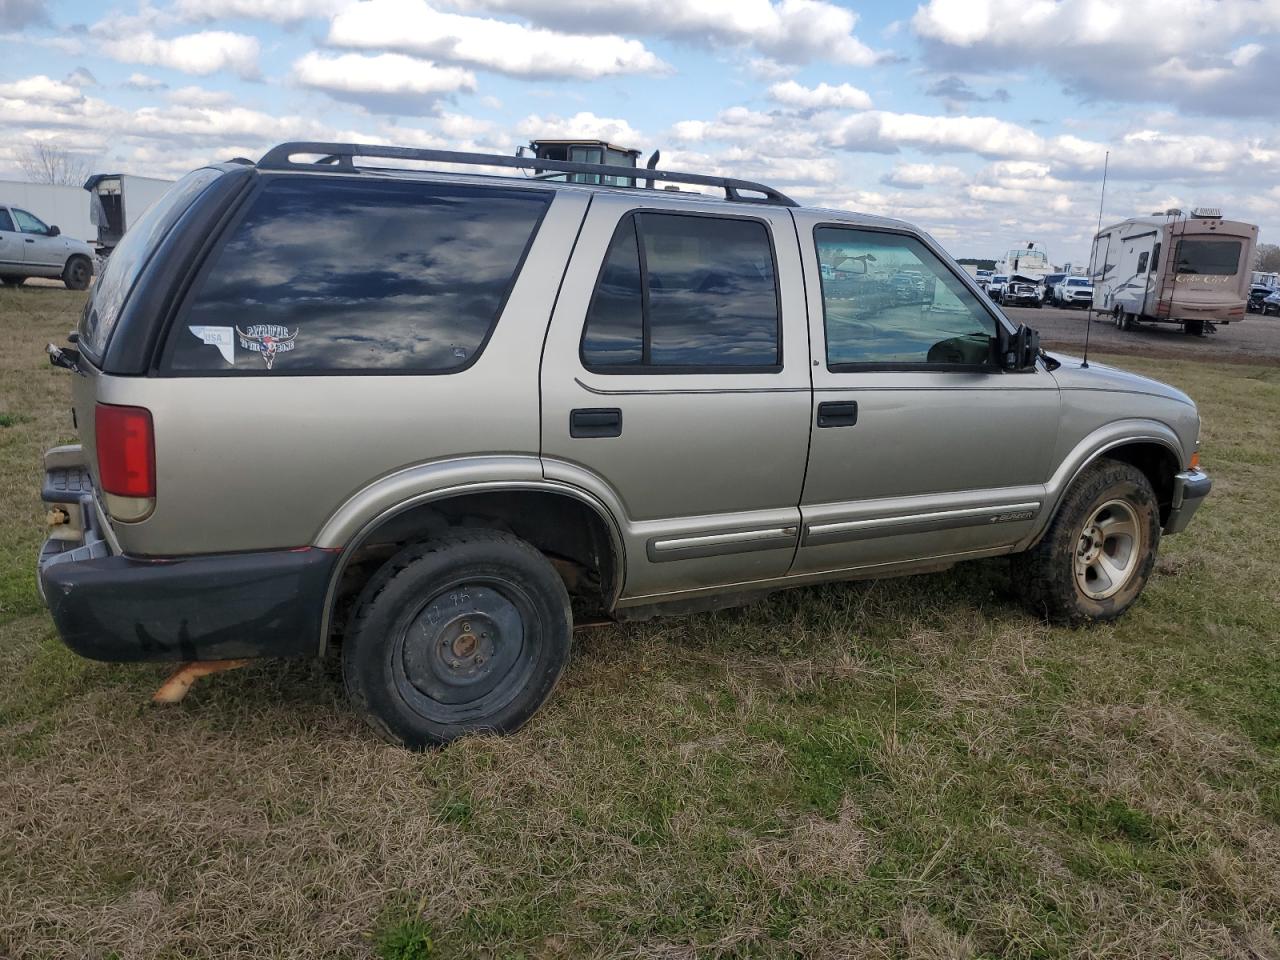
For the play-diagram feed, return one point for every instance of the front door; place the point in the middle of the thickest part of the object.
(675, 386)
(922, 447)
(40, 250)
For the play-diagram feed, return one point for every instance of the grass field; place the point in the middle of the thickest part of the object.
(909, 768)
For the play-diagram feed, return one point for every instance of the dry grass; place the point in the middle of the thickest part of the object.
(910, 768)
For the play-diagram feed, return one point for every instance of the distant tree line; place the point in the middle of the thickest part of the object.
(980, 264)
(1267, 258)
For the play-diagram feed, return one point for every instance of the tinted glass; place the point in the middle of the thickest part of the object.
(1142, 262)
(6, 222)
(357, 275)
(713, 300)
(614, 334)
(1216, 258)
(887, 299)
(1083, 281)
(131, 255)
(28, 223)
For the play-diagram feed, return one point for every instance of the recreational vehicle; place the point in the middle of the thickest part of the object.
(1191, 270)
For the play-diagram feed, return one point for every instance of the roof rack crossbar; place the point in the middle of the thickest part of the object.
(342, 156)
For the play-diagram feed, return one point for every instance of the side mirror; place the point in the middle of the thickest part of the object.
(54, 231)
(1016, 351)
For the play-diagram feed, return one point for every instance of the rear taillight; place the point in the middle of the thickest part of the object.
(126, 446)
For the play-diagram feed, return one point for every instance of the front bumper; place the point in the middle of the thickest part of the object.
(1189, 491)
(108, 606)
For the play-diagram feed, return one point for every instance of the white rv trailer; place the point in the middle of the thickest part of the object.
(1192, 270)
(1026, 261)
(117, 200)
(67, 207)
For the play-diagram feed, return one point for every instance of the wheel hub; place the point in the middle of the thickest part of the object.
(1108, 552)
(462, 644)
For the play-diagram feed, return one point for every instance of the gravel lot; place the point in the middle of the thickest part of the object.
(1256, 340)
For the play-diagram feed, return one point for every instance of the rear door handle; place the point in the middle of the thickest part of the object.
(838, 413)
(595, 422)
(28, 239)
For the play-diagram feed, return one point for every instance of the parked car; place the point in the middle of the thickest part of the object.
(1271, 305)
(431, 418)
(996, 287)
(1256, 297)
(1074, 292)
(1047, 285)
(31, 248)
(1018, 293)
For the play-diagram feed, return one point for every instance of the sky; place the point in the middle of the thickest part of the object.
(986, 122)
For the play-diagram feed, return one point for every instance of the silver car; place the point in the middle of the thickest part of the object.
(29, 247)
(426, 417)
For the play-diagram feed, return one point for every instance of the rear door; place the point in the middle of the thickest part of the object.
(10, 241)
(675, 386)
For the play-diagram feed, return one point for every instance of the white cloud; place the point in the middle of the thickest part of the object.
(413, 26)
(198, 53)
(40, 89)
(584, 125)
(276, 11)
(388, 82)
(140, 81)
(822, 97)
(789, 31)
(1202, 55)
(916, 176)
(199, 97)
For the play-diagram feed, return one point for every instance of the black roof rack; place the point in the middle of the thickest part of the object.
(342, 156)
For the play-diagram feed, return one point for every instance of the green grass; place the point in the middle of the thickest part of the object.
(906, 768)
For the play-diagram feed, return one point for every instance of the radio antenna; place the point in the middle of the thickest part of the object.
(1106, 163)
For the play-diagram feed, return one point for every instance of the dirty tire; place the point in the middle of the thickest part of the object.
(466, 633)
(1046, 576)
(77, 273)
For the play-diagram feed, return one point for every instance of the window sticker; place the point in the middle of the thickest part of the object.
(219, 337)
(267, 339)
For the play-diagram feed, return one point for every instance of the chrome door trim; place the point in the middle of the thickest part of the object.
(841, 531)
(663, 549)
(690, 390)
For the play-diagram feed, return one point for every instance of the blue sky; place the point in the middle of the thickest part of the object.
(985, 121)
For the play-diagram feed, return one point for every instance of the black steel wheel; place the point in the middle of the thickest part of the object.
(466, 633)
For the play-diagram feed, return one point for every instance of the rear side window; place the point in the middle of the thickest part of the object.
(6, 222)
(682, 292)
(131, 255)
(357, 276)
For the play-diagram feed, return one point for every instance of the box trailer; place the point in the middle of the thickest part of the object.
(1190, 270)
(55, 204)
(117, 200)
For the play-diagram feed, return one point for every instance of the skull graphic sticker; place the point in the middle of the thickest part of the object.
(267, 339)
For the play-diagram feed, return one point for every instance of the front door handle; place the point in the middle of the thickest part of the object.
(838, 413)
(28, 239)
(595, 422)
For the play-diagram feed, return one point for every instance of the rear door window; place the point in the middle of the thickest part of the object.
(357, 276)
(682, 292)
(6, 222)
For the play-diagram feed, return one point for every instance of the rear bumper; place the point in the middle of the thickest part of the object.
(108, 606)
(198, 608)
(1189, 491)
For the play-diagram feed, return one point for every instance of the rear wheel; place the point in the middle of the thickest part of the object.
(466, 633)
(77, 273)
(1098, 552)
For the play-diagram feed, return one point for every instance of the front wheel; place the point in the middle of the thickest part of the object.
(77, 273)
(466, 633)
(1098, 552)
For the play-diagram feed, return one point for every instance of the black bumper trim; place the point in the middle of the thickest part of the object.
(220, 607)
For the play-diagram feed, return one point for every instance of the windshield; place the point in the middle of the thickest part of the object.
(130, 256)
(1079, 282)
(1215, 258)
(999, 278)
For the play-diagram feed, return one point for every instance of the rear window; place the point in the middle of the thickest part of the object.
(1214, 258)
(129, 257)
(342, 275)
